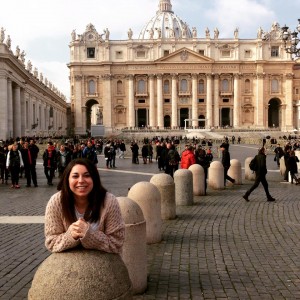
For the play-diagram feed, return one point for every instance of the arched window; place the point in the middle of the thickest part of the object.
(225, 85)
(201, 86)
(247, 86)
(274, 86)
(91, 87)
(141, 86)
(119, 87)
(183, 85)
(166, 86)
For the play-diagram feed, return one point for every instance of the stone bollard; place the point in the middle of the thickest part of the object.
(147, 196)
(134, 252)
(183, 179)
(216, 175)
(166, 187)
(81, 274)
(249, 174)
(282, 167)
(198, 179)
(235, 171)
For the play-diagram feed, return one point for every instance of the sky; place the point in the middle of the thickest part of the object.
(42, 28)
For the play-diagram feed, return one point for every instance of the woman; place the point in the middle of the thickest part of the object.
(187, 157)
(83, 213)
(14, 162)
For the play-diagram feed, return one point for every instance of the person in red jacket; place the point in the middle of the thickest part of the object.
(187, 157)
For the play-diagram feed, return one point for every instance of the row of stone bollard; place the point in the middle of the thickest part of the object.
(144, 208)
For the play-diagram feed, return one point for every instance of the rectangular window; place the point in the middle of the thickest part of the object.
(201, 52)
(225, 100)
(90, 52)
(274, 51)
(200, 100)
(297, 91)
(119, 54)
(166, 52)
(140, 54)
(225, 53)
(141, 101)
(247, 53)
(167, 100)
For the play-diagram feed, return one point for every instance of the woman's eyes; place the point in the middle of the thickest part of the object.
(84, 175)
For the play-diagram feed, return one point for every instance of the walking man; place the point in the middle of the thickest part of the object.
(226, 162)
(260, 175)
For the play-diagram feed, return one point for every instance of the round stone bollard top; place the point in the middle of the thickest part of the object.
(81, 274)
(162, 179)
(131, 211)
(235, 163)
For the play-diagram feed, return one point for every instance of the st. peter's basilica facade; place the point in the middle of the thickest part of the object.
(171, 76)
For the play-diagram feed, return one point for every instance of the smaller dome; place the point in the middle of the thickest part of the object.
(165, 25)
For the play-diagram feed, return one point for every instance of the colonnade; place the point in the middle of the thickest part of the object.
(26, 112)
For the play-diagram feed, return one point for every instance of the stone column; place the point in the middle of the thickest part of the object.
(10, 108)
(298, 114)
(209, 101)
(17, 111)
(4, 108)
(151, 101)
(216, 101)
(131, 112)
(236, 102)
(289, 102)
(283, 116)
(77, 105)
(23, 113)
(194, 101)
(174, 122)
(259, 116)
(160, 116)
(83, 118)
(107, 107)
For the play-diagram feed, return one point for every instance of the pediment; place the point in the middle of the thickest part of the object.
(184, 55)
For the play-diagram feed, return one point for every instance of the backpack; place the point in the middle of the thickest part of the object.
(173, 159)
(252, 164)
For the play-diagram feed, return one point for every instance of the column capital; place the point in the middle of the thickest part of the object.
(151, 76)
(194, 75)
(237, 75)
(78, 77)
(107, 76)
(216, 76)
(209, 75)
(129, 77)
(289, 75)
(260, 75)
(174, 75)
(159, 76)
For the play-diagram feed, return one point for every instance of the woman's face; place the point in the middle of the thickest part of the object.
(80, 182)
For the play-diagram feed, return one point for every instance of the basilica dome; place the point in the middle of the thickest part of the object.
(165, 24)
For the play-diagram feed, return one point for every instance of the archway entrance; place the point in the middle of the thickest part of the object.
(142, 117)
(184, 114)
(274, 112)
(201, 123)
(167, 121)
(225, 116)
(91, 112)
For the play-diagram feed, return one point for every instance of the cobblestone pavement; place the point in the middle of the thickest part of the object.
(222, 247)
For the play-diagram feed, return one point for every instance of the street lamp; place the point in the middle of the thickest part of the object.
(291, 38)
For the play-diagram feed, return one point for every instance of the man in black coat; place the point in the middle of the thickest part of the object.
(226, 162)
(260, 172)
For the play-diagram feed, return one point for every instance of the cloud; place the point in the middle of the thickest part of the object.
(247, 15)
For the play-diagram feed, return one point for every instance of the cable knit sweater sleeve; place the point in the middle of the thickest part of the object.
(109, 235)
(111, 232)
(58, 237)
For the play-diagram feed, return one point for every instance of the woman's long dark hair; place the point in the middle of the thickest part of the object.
(95, 198)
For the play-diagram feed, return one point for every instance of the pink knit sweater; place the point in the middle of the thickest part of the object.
(109, 237)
